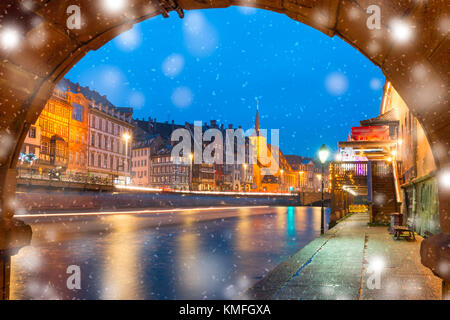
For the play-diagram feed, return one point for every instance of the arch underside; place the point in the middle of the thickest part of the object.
(418, 69)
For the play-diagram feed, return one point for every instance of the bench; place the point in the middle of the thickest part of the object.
(400, 231)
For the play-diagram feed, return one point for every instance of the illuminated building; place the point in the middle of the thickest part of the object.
(54, 130)
(78, 133)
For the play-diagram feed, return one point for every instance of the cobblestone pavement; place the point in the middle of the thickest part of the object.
(351, 261)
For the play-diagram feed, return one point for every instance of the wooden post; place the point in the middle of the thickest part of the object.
(5, 275)
(369, 190)
(445, 290)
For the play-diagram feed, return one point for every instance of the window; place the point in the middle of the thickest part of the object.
(77, 112)
(32, 132)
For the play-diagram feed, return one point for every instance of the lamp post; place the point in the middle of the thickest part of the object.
(191, 157)
(126, 136)
(300, 180)
(323, 156)
(281, 176)
(245, 176)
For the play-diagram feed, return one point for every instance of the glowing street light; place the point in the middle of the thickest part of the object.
(323, 154)
(126, 136)
(323, 157)
(9, 38)
(401, 31)
(113, 6)
(444, 179)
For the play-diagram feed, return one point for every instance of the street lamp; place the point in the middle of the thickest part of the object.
(281, 172)
(245, 176)
(126, 136)
(191, 157)
(323, 157)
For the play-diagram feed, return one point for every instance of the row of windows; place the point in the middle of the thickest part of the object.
(77, 137)
(140, 152)
(108, 143)
(57, 148)
(54, 127)
(163, 159)
(106, 161)
(169, 169)
(106, 126)
(58, 110)
(140, 174)
(140, 163)
(166, 179)
(76, 158)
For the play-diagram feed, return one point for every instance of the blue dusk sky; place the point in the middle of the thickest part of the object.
(214, 64)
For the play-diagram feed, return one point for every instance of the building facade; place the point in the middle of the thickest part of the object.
(417, 169)
(170, 172)
(110, 141)
(78, 134)
(78, 138)
(53, 126)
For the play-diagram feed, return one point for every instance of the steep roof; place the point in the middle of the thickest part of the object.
(389, 117)
(66, 84)
(294, 159)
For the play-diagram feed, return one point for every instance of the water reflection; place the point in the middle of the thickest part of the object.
(211, 256)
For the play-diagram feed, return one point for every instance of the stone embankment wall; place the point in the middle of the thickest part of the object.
(37, 201)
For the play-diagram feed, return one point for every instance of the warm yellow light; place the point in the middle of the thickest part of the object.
(389, 159)
(191, 156)
(281, 171)
(323, 154)
(399, 142)
(319, 176)
(114, 6)
(126, 136)
(394, 153)
(9, 38)
(301, 172)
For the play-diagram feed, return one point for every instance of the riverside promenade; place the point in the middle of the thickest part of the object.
(351, 261)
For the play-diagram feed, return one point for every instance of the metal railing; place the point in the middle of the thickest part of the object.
(354, 168)
(359, 168)
(30, 177)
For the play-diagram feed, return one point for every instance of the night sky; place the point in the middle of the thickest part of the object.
(213, 64)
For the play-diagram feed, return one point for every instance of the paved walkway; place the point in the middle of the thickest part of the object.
(351, 261)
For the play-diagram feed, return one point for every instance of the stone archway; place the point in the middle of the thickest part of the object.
(418, 68)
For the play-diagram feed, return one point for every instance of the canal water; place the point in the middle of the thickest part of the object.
(207, 259)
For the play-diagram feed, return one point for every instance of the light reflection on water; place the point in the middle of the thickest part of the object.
(215, 259)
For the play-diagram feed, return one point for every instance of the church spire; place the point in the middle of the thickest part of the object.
(257, 118)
